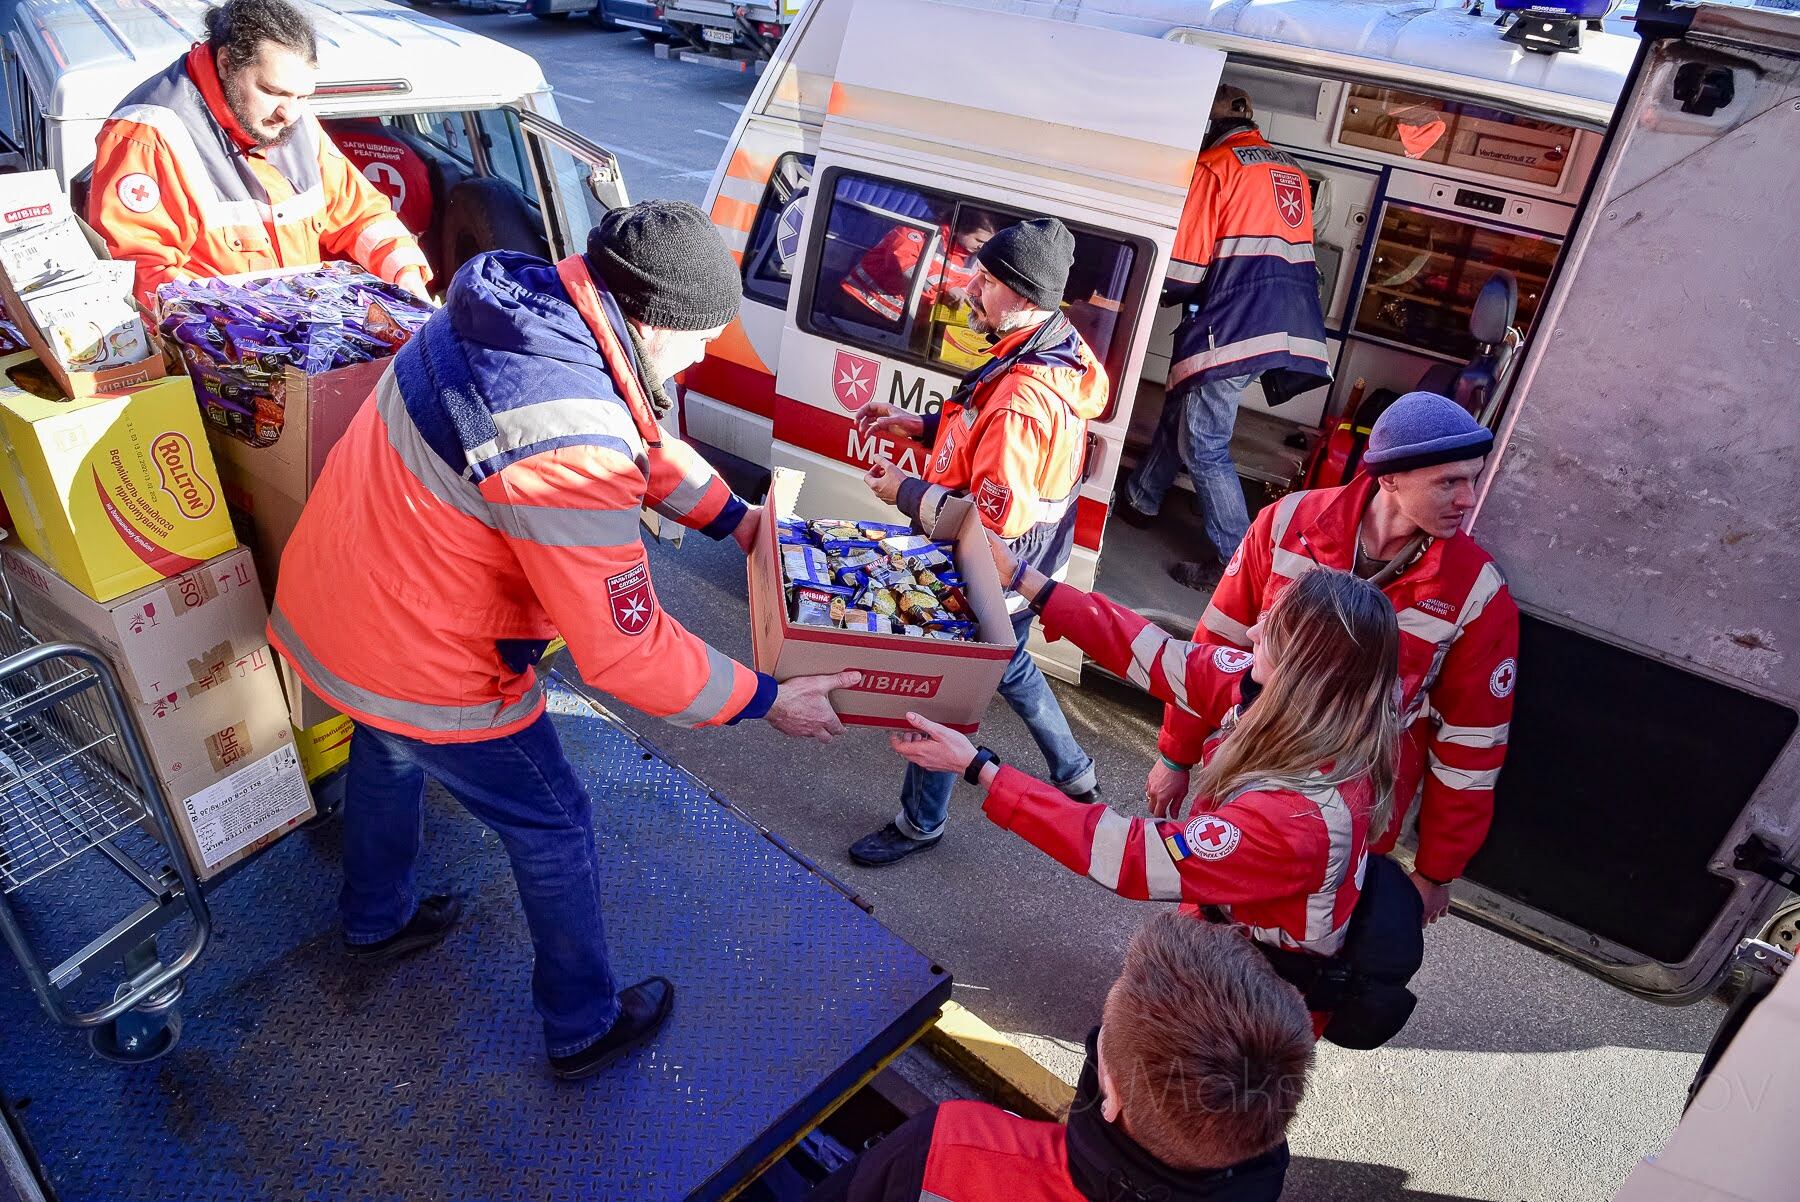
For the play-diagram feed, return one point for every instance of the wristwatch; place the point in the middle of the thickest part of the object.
(983, 757)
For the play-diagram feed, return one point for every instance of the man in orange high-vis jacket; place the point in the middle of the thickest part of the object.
(214, 166)
(1012, 437)
(486, 499)
(1399, 525)
(1242, 267)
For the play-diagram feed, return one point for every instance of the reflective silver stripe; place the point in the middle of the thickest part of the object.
(865, 289)
(382, 229)
(1162, 879)
(688, 494)
(1419, 624)
(1462, 778)
(1473, 736)
(930, 502)
(1107, 855)
(566, 417)
(926, 1195)
(1144, 649)
(302, 205)
(550, 526)
(1174, 669)
(1185, 273)
(1321, 907)
(1487, 586)
(1249, 348)
(421, 460)
(1284, 517)
(1280, 248)
(416, 714)
(1225, 626)
(1290, 564)
(1050, 512)
(721, 678)
(733, 239)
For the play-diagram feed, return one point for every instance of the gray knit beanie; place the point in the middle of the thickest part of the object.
(1423, 429)
(1032, 258)
(665, 265)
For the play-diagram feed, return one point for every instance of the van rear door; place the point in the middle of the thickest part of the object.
(1643, 504)
(944, 120)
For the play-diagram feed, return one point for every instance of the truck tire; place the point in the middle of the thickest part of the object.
(488, 214)
(598, 18)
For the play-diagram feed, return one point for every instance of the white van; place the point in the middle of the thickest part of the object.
(1642, 497)
(460, 131)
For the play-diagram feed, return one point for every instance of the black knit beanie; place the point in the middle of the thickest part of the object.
(1033, 259)
(665, 265)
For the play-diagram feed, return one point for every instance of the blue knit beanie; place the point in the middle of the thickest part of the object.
(1423, 429)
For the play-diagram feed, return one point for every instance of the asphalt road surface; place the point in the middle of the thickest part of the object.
(1518, 1077)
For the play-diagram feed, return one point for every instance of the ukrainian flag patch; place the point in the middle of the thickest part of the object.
(1177, 845)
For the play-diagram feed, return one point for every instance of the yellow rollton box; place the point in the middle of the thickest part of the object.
(324, 748)
(114, 491)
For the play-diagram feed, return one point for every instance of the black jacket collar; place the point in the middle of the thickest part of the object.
(1107, 1165)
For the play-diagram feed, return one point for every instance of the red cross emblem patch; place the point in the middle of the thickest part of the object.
(1505, 676)
(1290, 196)
(1211, 837)
(991, 499)
(139, 193)
(1230, 659)
(631, 600)
(853, 380)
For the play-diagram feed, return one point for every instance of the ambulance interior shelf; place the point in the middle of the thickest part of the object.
(1427, 269)
(894, 259)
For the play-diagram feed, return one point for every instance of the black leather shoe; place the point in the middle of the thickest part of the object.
(1134, 516)
(1092, 797)
(1199, 575)
(434, 919)
(643, 1009)
(889, 845)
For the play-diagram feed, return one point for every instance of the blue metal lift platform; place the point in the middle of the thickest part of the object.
(300, 1075)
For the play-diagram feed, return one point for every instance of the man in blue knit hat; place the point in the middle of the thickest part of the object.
(1400, 526)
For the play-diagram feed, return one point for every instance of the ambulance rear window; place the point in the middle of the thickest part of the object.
(887, 274)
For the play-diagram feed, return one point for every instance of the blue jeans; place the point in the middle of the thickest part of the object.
(1195, 431)
(522, 788)
(925, 796)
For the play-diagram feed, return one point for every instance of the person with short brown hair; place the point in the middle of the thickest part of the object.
(1191, 1081)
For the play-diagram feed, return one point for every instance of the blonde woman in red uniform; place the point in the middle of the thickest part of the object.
(1297, 777)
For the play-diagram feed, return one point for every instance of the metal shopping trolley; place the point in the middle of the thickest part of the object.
(74, 777)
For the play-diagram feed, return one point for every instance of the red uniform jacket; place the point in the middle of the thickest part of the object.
(882, 280)
(1459, 642)
(1286, 864)
(180, 188)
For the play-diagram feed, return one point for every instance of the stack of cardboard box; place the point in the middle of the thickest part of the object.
(124, 544)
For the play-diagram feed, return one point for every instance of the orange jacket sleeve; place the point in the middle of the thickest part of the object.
(1195, 237)
(571, 516)
(1010, 449)
(1236, 603)
(136, 203)
(360, 223)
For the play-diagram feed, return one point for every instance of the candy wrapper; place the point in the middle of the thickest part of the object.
(238, 340)
(874, 578)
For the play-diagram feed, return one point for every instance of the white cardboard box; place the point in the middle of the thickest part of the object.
(163, 637)
(206, 690)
